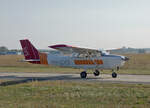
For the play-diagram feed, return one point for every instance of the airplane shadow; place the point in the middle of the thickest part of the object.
(19, 80)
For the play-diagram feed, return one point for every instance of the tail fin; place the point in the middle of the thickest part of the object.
(30, 52)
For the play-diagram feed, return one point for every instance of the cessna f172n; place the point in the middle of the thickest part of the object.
(76, 58)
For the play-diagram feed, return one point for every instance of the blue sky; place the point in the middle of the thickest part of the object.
(87, 23)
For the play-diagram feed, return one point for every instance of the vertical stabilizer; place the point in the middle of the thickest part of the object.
(30, 52)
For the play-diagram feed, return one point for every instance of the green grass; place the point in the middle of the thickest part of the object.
(138, 61)
(63, 94)
(40, 69)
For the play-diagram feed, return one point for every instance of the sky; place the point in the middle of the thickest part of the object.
(99, 24)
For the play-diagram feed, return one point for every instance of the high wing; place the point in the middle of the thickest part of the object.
(70, 49)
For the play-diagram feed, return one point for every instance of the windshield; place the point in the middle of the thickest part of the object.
(104, 53)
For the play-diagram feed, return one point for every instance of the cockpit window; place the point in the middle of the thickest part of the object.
(87, 55)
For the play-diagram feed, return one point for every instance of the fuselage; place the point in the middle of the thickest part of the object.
(100, 62)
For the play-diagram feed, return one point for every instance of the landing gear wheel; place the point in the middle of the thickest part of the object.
(96, 73)
(83, 74)
(114, 75)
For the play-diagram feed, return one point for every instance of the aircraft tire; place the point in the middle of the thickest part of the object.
(83, 74)
(114, 75)
(96, 73)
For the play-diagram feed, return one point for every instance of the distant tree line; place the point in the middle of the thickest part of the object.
(3, 49)
(125, 50)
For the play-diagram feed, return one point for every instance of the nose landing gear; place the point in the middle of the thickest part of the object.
(114, 75)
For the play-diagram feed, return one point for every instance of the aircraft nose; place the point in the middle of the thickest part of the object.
(125, 58)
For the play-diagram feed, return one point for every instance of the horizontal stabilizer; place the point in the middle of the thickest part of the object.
(30, 60)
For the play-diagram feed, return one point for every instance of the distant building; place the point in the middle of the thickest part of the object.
(2, 53)
(10, 53)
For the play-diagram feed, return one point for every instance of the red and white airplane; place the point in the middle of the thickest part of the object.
(78, 58)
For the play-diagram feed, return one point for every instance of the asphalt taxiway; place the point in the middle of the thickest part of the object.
(10, 78)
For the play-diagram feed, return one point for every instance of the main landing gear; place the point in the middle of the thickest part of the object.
(84, 74)
(96, 73)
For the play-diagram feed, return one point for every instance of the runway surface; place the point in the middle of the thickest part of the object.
(10, 78)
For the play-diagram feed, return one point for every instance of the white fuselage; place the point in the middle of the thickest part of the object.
(101, 62)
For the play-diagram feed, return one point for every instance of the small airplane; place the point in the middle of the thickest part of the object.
(74, 57)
